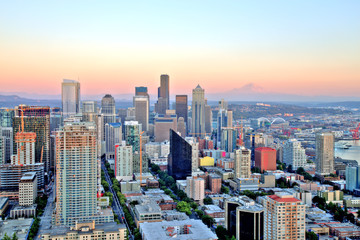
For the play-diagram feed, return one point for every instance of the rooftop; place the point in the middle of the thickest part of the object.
(283, 197)
(172, 230)
(18, 226)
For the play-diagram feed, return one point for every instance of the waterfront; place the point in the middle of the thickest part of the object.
(353, 153)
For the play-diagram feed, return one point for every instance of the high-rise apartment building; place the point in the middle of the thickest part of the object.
(325, 145)
(2, 150)
(6, 116)
(113, 136)
(244, 218)
(182, 108)
(194, 153)
(284, 217)
(25, 148)
(195, 188)
(70, 96)
(36, 120)
(141, 104)
(198, 112)
(242, 163)
(132, 134)
(180, 157)
(76, 178)
(294, 154)
(123, 162)
(28, 189)
(265, 159)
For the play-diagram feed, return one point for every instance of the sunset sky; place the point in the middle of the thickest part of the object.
(295, 47)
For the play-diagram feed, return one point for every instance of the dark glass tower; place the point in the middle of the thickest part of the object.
(179, 162)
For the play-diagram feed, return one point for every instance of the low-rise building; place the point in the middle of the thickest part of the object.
(150, 212)
(105, 231)
(181, 230)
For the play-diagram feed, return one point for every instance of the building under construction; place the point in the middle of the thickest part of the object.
(35, 120)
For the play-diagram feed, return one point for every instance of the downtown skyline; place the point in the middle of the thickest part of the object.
(111, 48)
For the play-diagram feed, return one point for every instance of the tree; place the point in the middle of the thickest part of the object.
(209, 221)
(14, 237)
(6, 237)
(311, 236)
(184, 207)
(225, 190)
(221, 232)
(208, 201)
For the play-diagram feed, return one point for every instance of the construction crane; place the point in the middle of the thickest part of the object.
(141, 157)
(355, 132)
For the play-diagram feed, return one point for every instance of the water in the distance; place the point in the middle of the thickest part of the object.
(353, 153)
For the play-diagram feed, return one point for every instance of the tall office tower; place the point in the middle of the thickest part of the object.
(2, 150)
(70, 96)
(244, 218)
(55, 119)
(36, 120)
(141, 91)
(7, 134)
(25, 145)
(195, 188)
(163, 123)
(284, 217)
(89, 107)
(352, 175)
(182, 109)
(113, 136)
(163, 102)
(294, 154)
(242, 163)
(180, 157)
(122, 113)
(76, 178)
(6, 116)
(198, 112)
(325, 153)
(108, 109)
(224, 120)
(228, 139)
(181, 127)
(132, 134)
(265, 159)
(208, 119)
(194, 153)
(141, 104)
(123, 162)
(223, 104)
(28, 189)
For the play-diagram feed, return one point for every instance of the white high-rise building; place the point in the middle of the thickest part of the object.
(294, 154)
(76, 176)
(195, 188)
(28, 189)
(70, 95)
(242, 163)
(123, 162)
(113, 136)
(194, 153)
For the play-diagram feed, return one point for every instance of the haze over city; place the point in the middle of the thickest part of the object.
(303, 48)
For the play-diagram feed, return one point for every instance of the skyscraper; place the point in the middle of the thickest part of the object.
(284, 217)
(70, 95)
(179, 160)
(7, 134)
(198, 112)
(208, 119)
(181, 127)
(141, 91)
(123, 162)
(141, 104)
(182, 108)
(265, 159)
(108, 110)
(25, 148)
(242, 163)
(228, 139)
(325, 153)
(89, 107)
(113, 136)
(294, 154)
(132, 134)
(76, 178)
(163, 123)
(2, 150)
(352, 175)
(163, 102)
(244, 218)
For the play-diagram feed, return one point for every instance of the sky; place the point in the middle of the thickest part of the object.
(301, 47)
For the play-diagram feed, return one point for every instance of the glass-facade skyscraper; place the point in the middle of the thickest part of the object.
(180, 157)
(182, 108)
(198, 112)
(70, 96)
